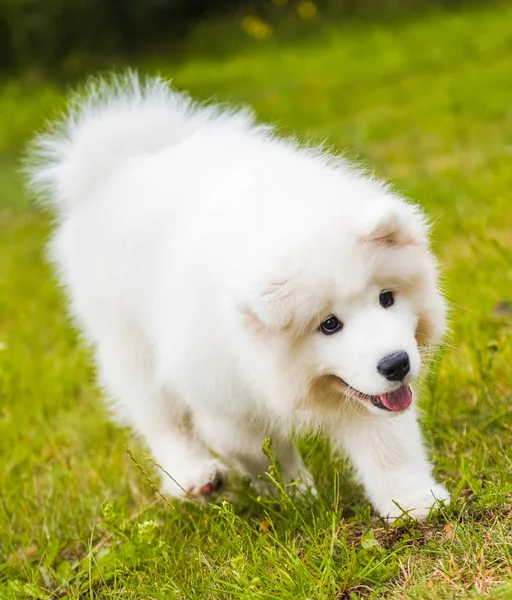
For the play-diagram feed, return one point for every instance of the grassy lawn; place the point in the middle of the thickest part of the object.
(426, 103)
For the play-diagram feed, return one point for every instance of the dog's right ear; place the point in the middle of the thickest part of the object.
(271, 306)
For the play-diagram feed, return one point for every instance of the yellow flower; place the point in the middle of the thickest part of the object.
(256, 28)
(307, 10)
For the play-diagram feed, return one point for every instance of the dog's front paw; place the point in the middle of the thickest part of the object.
(415, 503)
(196, 480)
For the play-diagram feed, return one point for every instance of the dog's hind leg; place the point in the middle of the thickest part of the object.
(240, 441)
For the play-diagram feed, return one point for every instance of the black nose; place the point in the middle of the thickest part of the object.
(394, 367)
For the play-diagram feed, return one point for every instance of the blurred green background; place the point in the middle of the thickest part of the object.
(69, 37)
(46, 45)
(418, 91)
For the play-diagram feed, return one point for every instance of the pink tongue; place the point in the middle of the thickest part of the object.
(400, 399)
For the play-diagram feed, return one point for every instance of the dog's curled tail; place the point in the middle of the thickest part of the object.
(111, 121)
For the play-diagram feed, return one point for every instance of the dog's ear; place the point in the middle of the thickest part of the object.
(272, 305)
(281, 301)
(398, 224)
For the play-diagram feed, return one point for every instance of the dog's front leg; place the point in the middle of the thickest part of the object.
(392, 463)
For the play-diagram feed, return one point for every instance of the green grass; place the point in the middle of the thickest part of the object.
(425, 102)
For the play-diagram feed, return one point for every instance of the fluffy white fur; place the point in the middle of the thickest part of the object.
(201, 252)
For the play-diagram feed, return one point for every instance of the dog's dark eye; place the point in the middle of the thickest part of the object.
(331, 325)
(386, 299)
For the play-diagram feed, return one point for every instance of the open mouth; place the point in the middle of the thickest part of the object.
(394, 401)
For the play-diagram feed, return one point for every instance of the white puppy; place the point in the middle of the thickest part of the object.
(237, 286)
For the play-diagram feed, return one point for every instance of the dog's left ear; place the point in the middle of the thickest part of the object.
(398, 224)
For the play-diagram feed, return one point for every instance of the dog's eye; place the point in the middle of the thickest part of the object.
(331, 325)
(386, 299)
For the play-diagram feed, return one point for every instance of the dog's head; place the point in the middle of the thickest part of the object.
(345, 309)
